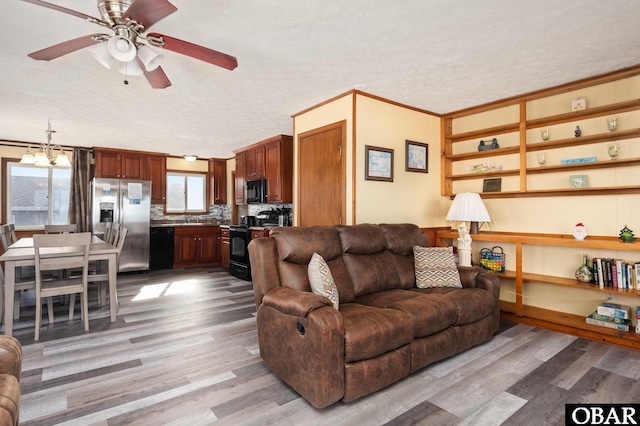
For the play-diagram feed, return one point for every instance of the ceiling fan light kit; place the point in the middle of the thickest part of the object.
(124, 48)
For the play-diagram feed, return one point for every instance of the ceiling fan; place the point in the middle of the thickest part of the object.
(127, 49)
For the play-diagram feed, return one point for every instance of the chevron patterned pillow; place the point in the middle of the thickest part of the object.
(435, 267)
(321, 280)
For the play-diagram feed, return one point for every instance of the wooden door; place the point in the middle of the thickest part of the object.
(322, 189)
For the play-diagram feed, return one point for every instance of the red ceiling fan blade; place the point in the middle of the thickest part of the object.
(67, 11)
(204, 54)
(148, 12)
(53, 52)
(156, 78)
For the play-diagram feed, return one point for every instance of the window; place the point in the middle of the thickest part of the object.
(186, 192)
(37, 196)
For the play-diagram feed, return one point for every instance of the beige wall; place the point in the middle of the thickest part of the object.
(411, 197)
(340, 109)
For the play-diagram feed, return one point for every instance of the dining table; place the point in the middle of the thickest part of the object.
(22, 253)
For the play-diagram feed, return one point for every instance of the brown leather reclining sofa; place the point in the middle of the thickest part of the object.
(10, 368)
(385, 328)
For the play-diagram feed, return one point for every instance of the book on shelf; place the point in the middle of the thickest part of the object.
(614, 310)
(596, 315)
(616, 273)
(592, 319)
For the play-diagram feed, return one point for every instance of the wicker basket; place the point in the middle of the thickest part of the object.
(492, 259)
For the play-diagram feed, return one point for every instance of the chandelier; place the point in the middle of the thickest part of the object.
(44, 156)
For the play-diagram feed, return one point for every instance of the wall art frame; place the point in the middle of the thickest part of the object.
(416, 157)
(378, 163)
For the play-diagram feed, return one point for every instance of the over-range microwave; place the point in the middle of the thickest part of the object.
(256, 191)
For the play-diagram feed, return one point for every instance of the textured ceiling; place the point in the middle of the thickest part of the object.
(438, 55)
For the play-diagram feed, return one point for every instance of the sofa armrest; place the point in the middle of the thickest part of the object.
(263, 258)
(294, 302)
(301, 338)
(10, 356)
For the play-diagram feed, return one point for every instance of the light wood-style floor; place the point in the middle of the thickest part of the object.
(184, 351)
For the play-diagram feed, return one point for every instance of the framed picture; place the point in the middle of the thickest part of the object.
(378, 163)
(417, 157)
(492, 185)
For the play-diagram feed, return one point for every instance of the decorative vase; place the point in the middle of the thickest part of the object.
(584, 273)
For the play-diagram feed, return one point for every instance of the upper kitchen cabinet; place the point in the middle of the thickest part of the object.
(271, 159)
(119, 164)
(218, 180)
(240, 177)
(255, 162)
(279, 169)
(157, 167)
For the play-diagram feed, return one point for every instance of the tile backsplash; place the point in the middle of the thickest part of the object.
(217, 212)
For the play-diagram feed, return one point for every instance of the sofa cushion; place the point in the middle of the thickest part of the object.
(472, 304)
(371, 331)
(296, 245)
(430, 314)
(401, 238)
(435, 267)
(370, 265)
(321, 279)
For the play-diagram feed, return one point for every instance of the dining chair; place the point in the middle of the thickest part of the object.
(59, 252)
(60, 229)
(115, 233)
(100, 274)
(25, 275)
(108, 226)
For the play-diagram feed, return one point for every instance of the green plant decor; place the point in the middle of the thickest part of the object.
(626, 235)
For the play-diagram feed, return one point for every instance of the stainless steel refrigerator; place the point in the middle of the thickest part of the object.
(127, 202)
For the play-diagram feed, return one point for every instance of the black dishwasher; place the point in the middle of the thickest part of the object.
(161, 252)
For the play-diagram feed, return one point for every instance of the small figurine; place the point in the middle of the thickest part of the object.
(626, 235)
(580, 232)
(578, 132)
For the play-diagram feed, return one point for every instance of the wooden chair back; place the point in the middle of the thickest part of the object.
(60, 229)
(8, 235)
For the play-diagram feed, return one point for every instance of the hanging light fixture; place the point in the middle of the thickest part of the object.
(44, 156)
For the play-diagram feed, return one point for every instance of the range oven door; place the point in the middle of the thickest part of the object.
(239, 237)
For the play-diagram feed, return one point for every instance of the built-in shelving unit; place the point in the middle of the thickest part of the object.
(520, 130)
(559, 321)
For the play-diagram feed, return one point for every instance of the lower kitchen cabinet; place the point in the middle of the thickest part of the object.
(196, 246)
(225, 247)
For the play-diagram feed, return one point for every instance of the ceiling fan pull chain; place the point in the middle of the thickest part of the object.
(126, 73)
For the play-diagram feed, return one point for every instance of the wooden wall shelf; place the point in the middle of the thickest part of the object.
(526, 146)
(559, 321)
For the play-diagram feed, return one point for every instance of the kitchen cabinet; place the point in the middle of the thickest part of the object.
(279, 169)
(196, 245)
(119, 164)
(225, 247)
(259, 233)
(157, 168)
(240, 178)
(218, 181)
(518, 125)
(271, 159)
(255, 162)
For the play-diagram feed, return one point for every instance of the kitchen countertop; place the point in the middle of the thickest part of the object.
(180, 224)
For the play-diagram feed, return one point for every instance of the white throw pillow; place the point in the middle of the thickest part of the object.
(435, 267)
(321, 279)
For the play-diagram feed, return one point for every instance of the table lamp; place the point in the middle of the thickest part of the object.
(467, 207)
